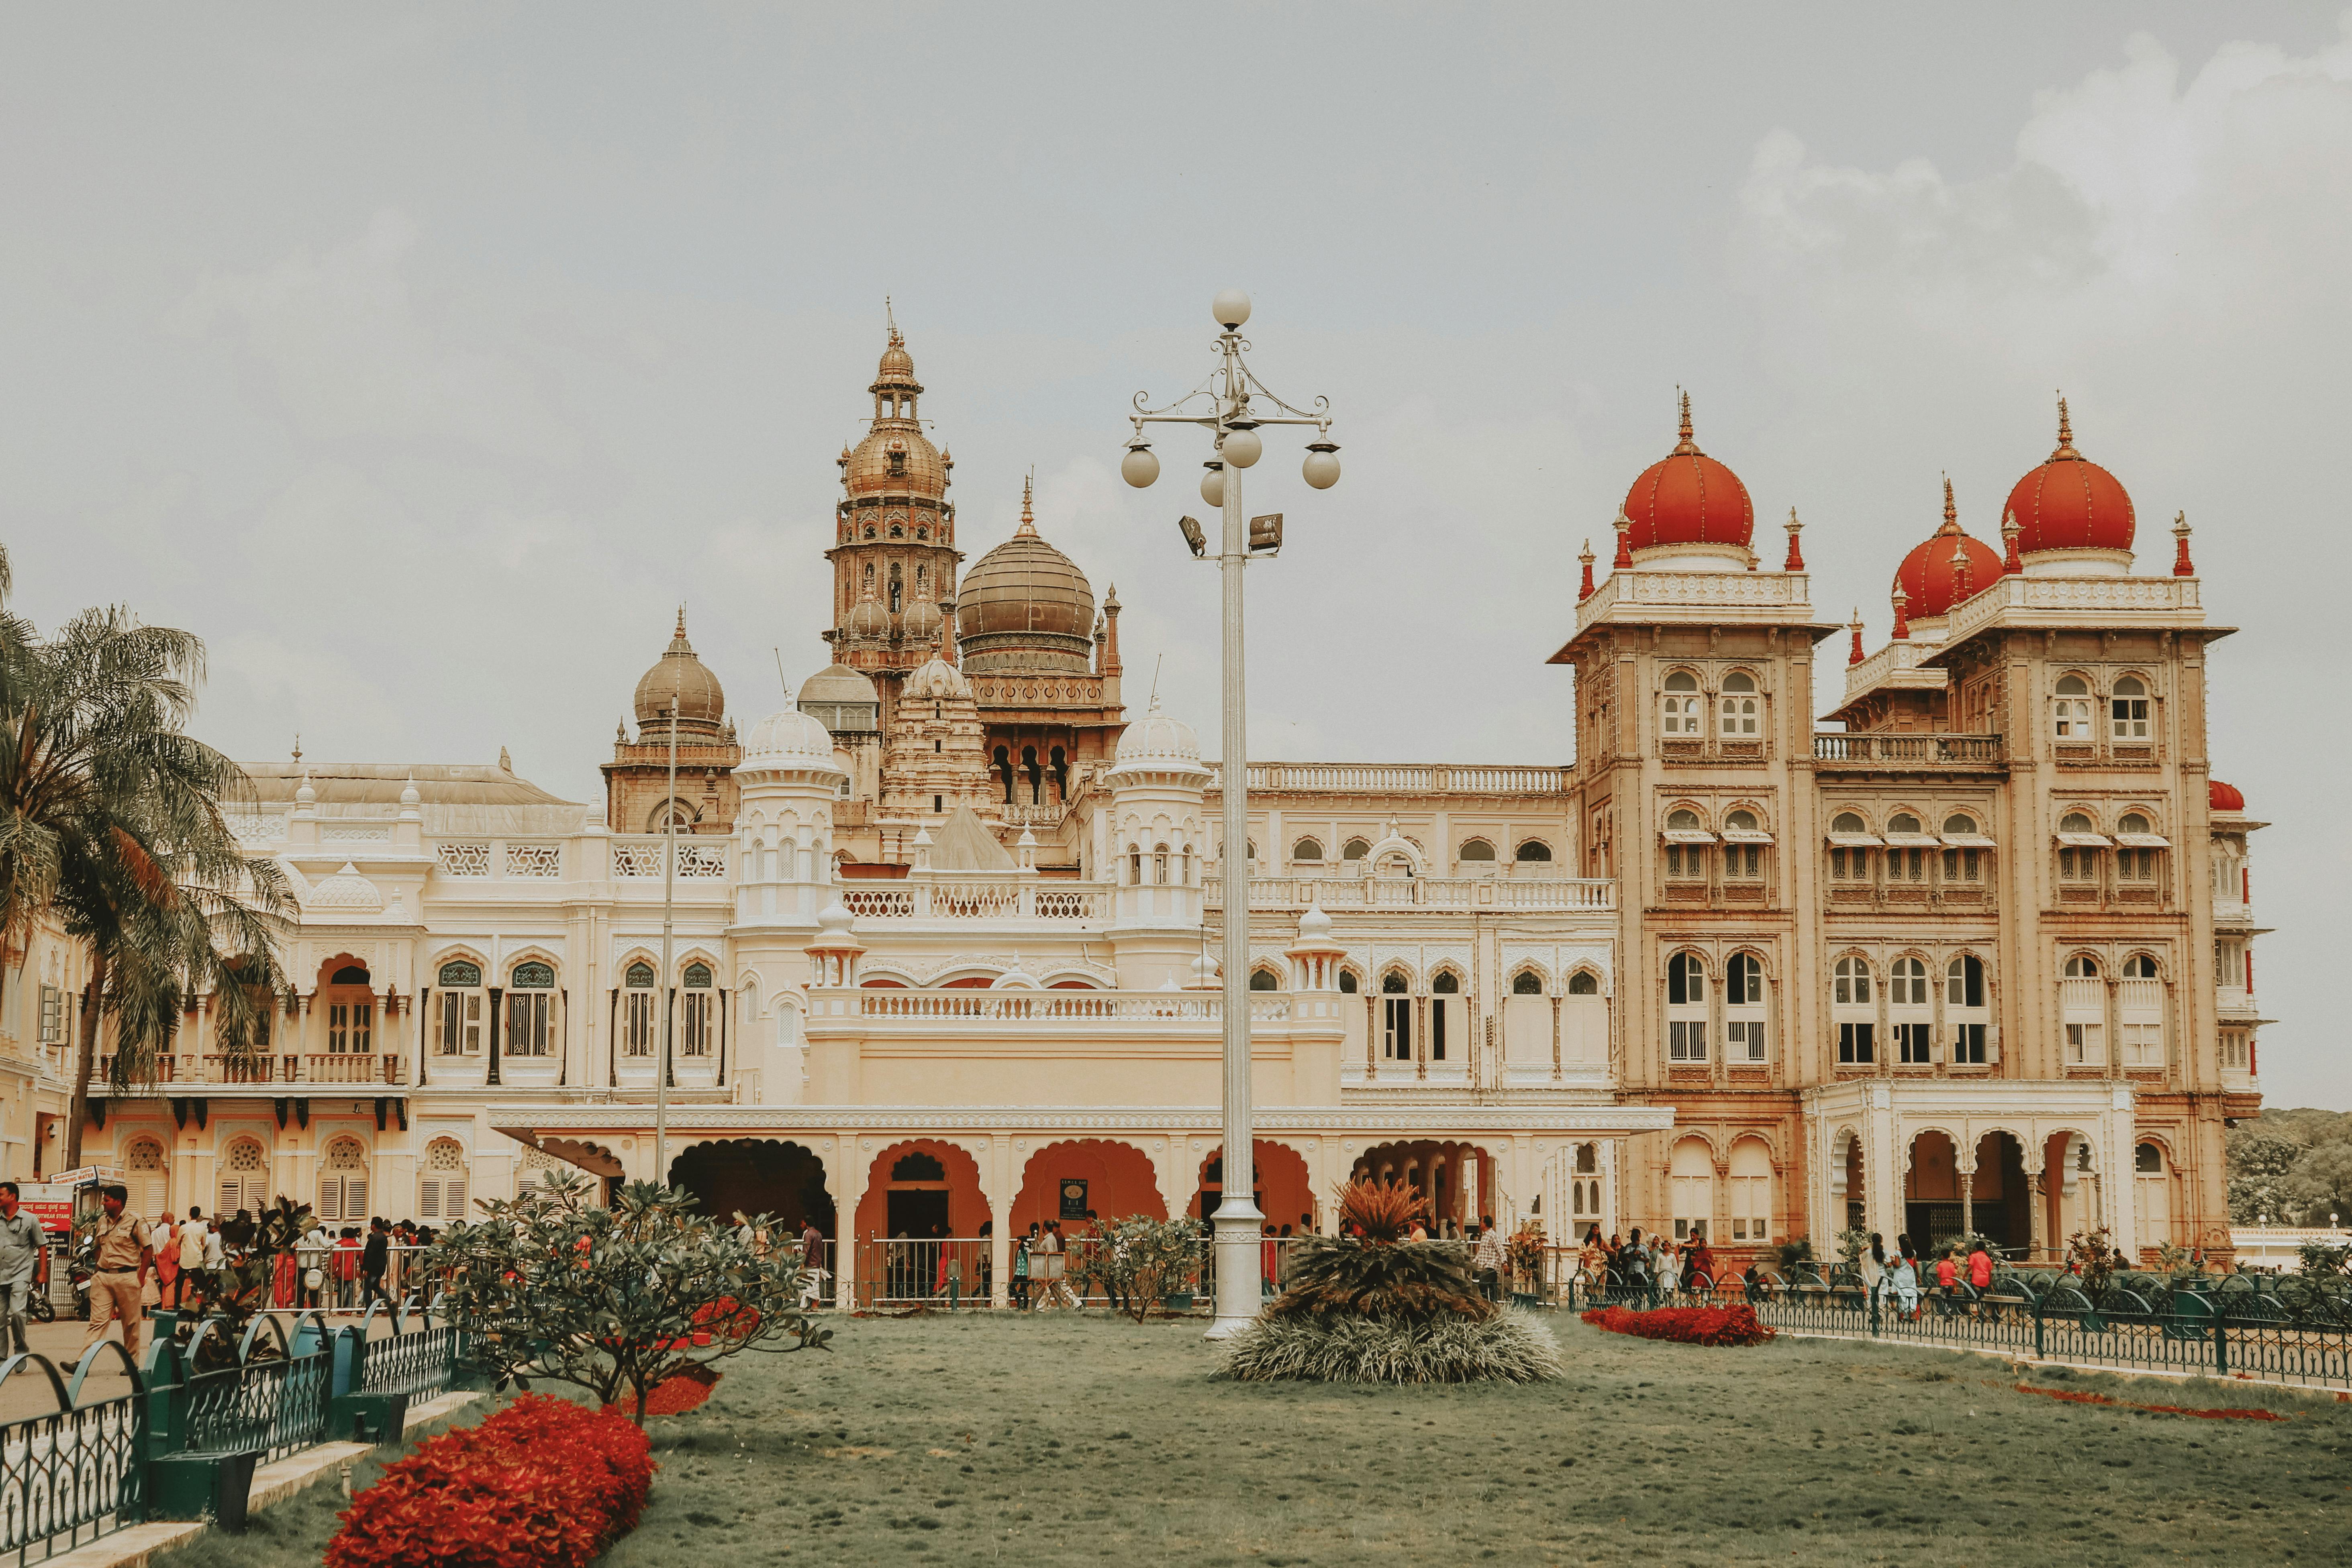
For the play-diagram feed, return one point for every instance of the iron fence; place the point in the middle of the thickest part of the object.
(76, 1473)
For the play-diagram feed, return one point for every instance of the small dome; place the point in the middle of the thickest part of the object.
(866, 622)
(790, 738)
(346, 890)
(681, 675)
(1930, 579)
(1689, 498)
(2071, 503)
(841, 699)
(833, 925)
(1156, 739)
(1024, 605)
(921, 622)
(936, 680)
(1314, 926)
(2221, 797)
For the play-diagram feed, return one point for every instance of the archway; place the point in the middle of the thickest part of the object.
(1067, 1180)
(1933, 1213)
(1999, 1203)
(921, 1206)
(1457, 1178)
(1284, 1190)
(752, 1176)
(1567, 1201)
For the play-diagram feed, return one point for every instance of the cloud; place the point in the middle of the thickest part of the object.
(349, 358)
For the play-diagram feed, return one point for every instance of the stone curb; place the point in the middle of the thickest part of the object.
(138, 1546)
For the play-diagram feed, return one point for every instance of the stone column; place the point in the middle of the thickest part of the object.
(2038, 1216)
(1965, 1172)
(856, 1164)
(1000, 1209)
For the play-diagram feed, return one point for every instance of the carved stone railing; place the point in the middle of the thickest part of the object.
(1436, 893)
(1032, 1008)
(1399, 779)
(1846, 749)
(918, 898)
(698, 859)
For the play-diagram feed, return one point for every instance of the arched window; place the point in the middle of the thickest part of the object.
(441, 1186)
(1678, 713)
(639, 1009)
(143, 1174)
(1159, 862)
(1685, 1009)
(1740, 706)
(1478, 850)
(919, 1166)
(1850, 862)
(1584, 983)
(701, 1036)
(1685, 860)
(1964, 1007)
(1526, 983)
(1908, 1011)
(1963, 863)
(1396, 1019)
(351, 1012)
(2083, 1004)
(2151, 1196)
(1854, 1011)
(1135, 865)
(1355, 850)
(2127, 705)
(1265, 980)
(243, 1179)
(1741, 862)
(1348, 984)
(530, 1009)
(460, 1005)
(2071, 711)
(1693, 1170)
(1751, 1191)
(1446, 984)
(1743, 1008)
(344, 1182)
(1308, 850)
(2139, 1012)
(1534, 850)
(2079, 861)
(2136, 857)
(1904, 862)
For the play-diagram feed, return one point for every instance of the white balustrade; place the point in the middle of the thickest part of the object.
(1024, 1007)
(1436, 893)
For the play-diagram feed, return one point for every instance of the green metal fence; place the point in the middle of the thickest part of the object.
(76, 1473)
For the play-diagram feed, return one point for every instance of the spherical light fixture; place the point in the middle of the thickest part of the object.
(1212, 483)
(1322, 468)
(1243, 448)
(1138, 468)
(1231, 307)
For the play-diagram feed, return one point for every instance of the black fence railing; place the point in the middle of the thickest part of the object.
(76, 1473)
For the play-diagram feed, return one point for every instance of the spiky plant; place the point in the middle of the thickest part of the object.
(1380, 1210)
(1509, 1347)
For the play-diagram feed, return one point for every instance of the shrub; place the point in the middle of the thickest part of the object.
(544, 1483)
(1686, 1325)
(1511, 1347)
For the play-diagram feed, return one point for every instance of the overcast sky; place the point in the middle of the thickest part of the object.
(421, 358)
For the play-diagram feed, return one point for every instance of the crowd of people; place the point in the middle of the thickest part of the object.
(1656, 1261)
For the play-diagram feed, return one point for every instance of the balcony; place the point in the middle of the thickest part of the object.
(268, 1074)
(1397, 779)
(1838, 750)
(1028, 1008)
(919, 899)
(1424, 892)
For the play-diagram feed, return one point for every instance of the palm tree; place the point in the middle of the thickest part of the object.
(111, 828)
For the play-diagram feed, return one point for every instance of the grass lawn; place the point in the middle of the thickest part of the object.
(1060, 1439)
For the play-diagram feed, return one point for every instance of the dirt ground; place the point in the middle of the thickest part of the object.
(1068, 1439)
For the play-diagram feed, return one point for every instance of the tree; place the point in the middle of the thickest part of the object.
(615, 1300)
(1140, 1260)
(110, 827)
(2321, 1182)
(2260, 1169)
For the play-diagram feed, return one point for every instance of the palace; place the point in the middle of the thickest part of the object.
(1974, 958)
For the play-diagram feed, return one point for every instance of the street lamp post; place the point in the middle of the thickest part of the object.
(1231, 404)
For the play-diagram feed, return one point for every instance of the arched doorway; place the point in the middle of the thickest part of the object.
(1067, 1180)
(1999, 1203)
(1457, 1178)
(1933, 1213)
(1284, 1191)
(754, 1176)
(920, 1194)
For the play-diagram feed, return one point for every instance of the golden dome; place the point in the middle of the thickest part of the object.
(680, 674)
(866, 622)
(895, 457)
(1024, 605)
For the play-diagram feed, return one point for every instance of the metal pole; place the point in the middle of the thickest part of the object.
(1237, 1221)
(669, 996)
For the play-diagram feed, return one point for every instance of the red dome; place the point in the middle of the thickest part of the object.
(1688, 499)
(1930, 582)
(2223, 796)
(2070, 502)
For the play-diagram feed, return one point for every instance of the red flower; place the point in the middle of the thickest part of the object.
(1734, 1325)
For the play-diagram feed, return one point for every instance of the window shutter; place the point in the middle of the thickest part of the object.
(355, 1197)
(429, 1199)
(331, 1198)
(454, 1199)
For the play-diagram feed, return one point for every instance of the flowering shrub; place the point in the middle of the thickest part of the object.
(1684, 1326)
(544, 1483)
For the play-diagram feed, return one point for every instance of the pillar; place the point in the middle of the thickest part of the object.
(1965, 1172)
(998, 1165)
(857, 1162)
(2037, 1212)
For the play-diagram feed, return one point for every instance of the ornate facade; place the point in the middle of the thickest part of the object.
(1975, 958)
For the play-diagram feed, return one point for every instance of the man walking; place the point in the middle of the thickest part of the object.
(21, 1244)
(1487, 1263)
(119, 1262)
(374, 1258)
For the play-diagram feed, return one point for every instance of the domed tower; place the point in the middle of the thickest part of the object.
(894, 539)
(1044, 670)
(2073, 516)
(1152, 844)
(933, 763)
(636, 781)
(1689, 511)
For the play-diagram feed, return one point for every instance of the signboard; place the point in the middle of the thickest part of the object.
(51, 1203)
(1074, 1199)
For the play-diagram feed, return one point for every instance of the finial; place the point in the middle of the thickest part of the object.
(1028, 527)
(1854, 626)
(506, 763)
(1795, 561)
(1951, 513)
(1624, 526)
(2065, 434)
(298, 750)
(2009, 565)
(1587, 558)
(1685, 446)
(2181, 563)
(1960, 573)
(678, 642)
(891, 321)
(1902, 613)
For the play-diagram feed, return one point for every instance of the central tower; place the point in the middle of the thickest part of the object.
(894, 556)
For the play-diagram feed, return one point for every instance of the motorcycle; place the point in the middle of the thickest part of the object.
(38, 1305)
(78, 1269)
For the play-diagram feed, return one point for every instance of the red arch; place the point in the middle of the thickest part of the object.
(1285, 1193)
(967, 1209)
(1118, 1176)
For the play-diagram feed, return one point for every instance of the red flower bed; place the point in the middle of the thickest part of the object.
(2076, 1397)
(674, 1396)
(1684, 1326)
(544, 1483)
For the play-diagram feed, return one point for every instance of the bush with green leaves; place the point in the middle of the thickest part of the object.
(613, 1299)
(1138, 1262)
